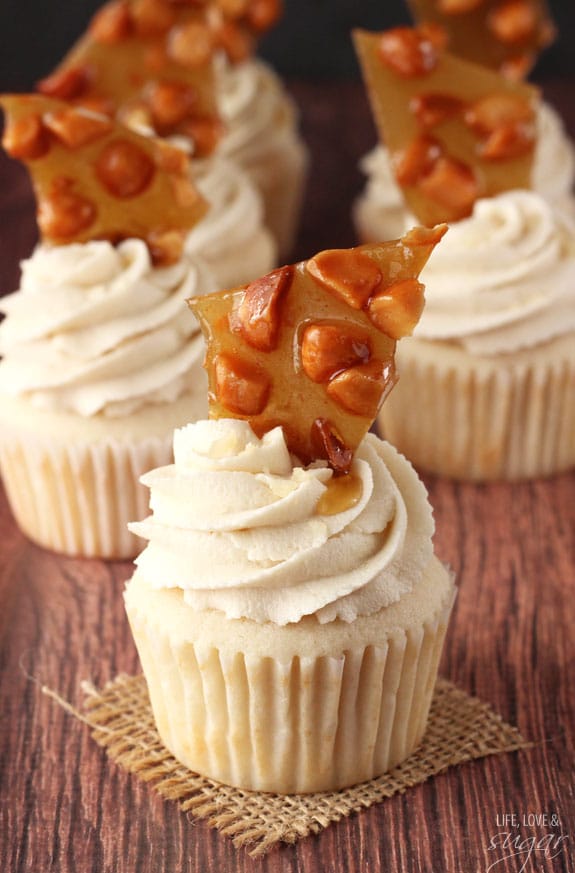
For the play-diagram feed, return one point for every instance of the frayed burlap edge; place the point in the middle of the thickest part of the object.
(460, 728)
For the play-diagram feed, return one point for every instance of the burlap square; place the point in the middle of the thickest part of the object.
(460, 729)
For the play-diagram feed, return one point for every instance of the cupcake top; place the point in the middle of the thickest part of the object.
(97, 329)
(240, 526)
(504, 279)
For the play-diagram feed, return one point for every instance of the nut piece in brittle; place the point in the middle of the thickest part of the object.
(505, 35)
(311, 347)
(237, 24)
(95, 179)
(455, 131)
(146, 62)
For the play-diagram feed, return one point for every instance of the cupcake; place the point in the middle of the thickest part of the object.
(493, 356)
(288, 610)
(99, 360)
(114, 66)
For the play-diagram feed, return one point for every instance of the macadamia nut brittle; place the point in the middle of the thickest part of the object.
(506, 35)
(146, 62)
(96, 179)
(456, 131)
(311, 347)
(151, 62)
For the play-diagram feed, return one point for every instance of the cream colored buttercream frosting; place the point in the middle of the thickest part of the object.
(239, 526)
(259, 116)
(504, 279)
(382, 203)
(231, 238)
(96, 328)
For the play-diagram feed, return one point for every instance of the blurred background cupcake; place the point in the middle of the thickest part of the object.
(101, 358)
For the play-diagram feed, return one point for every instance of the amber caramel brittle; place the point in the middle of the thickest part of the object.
(147, 63)
(237, 24)
(96, 179)
(505, 35)
(311, 347)
(455, 131)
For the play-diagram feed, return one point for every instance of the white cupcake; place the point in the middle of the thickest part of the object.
(290, 640)
(101, 360)
(492, 360)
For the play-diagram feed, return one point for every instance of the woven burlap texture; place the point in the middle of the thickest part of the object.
(461, 728)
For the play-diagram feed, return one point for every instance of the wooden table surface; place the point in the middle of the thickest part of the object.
(65, 807)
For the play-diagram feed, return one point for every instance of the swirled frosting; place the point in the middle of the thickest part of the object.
(231, 238)
(239, 526)
(504, 278)
(96, 329)
(259, 116)
(382, 205)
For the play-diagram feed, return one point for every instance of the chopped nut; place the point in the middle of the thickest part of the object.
(26, 138)
(432, 109)
(407, 52)
(453, 185)
(165, 246)
(152, 17)
(259, 311)
(327, 349)
(397, 309)
(63, 213)
(514, 21)
(241, 387)
(233, 8)
(348, 273)
(517, 67)
(191, 44)
(329, 445)
(111, 23)
(75, 128)
(124, 169)
(416, 160)
(497, 110)
(205, 133)
(361, 390)
(263, 14)
(65, 84)
(170, 103)
(235, 41)
(508, 141)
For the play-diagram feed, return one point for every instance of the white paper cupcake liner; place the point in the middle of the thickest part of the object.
(508, 417)
(77, 499)
(302, 725)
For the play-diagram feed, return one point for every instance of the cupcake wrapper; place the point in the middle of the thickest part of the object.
(484, 418)
(78, 499)
(309, 724)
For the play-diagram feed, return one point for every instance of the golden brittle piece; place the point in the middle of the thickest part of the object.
(311, 347)
(506, 35)
(455, 131)
(146, 62)
(96, 179)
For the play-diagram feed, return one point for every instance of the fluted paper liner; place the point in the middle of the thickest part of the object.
(78, 498)
(502, 417)
(460, 728)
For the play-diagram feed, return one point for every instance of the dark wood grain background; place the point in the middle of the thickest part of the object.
(64, 807)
